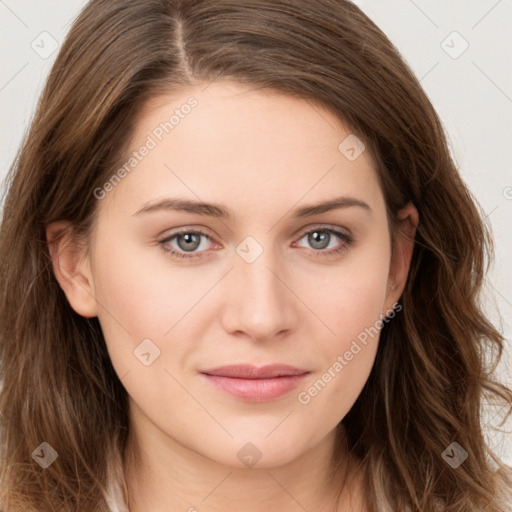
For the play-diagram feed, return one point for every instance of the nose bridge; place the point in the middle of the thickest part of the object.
(259, 303)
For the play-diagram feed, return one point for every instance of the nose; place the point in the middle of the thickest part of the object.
(259, 301)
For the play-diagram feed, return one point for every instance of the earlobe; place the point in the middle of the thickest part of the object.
(71, 267)
(403, 246)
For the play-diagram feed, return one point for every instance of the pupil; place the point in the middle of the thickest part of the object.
(317, 239)
(189, 238)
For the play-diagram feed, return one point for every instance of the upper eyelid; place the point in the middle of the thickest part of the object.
(323, 227)
(301, 233)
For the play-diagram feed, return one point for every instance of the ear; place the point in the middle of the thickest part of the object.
(71, 266)
(403, 245)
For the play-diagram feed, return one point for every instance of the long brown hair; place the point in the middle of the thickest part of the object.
(430, 378)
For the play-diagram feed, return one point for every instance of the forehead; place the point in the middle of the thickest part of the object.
(242, 146)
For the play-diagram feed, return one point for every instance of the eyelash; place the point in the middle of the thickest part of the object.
(347, 239)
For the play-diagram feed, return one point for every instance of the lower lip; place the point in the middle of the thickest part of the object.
(256, 390)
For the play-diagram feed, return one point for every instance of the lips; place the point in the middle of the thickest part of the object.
(245, 371)
(254, 384)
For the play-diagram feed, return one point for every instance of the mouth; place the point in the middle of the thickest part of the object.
(253, 384)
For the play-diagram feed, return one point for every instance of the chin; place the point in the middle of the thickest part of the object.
(258, 453)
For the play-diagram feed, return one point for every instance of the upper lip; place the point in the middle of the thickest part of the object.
(247, 371)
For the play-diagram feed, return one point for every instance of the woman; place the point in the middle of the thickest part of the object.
(318, 347)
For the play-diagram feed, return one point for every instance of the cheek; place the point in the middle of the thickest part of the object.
(142, 297)
(138, 286)
(353, 310)
(137, 300)
(351, 296)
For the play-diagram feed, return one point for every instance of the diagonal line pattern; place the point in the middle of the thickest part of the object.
(216, 487)
(267, 266)
(198, 301)
(200, 404)
(69, 276)
(200, 199)
(491, 212)
(14, 76)
(219, 74)
(428, 72)
(319, 113)
(286, 491)
(424, 14)
(102, 306)
(485, 15)
(501, 295)
(282, 421)
(14, 14)
(125, 374)
(333, 333)
(289, 209)
(492, 81)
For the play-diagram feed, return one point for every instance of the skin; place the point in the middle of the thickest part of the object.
(261, 154)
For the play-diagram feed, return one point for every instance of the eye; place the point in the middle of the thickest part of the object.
(188, 242)
(320, 238)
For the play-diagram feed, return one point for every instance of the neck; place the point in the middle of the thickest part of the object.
(164, 475)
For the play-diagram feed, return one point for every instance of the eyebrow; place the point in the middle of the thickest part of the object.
(222, 212)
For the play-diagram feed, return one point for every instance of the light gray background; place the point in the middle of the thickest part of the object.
(471, 90)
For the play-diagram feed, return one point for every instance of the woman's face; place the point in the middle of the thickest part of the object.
(250, 171)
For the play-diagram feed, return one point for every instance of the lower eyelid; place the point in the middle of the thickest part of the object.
(168, 239)
(345, 238)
